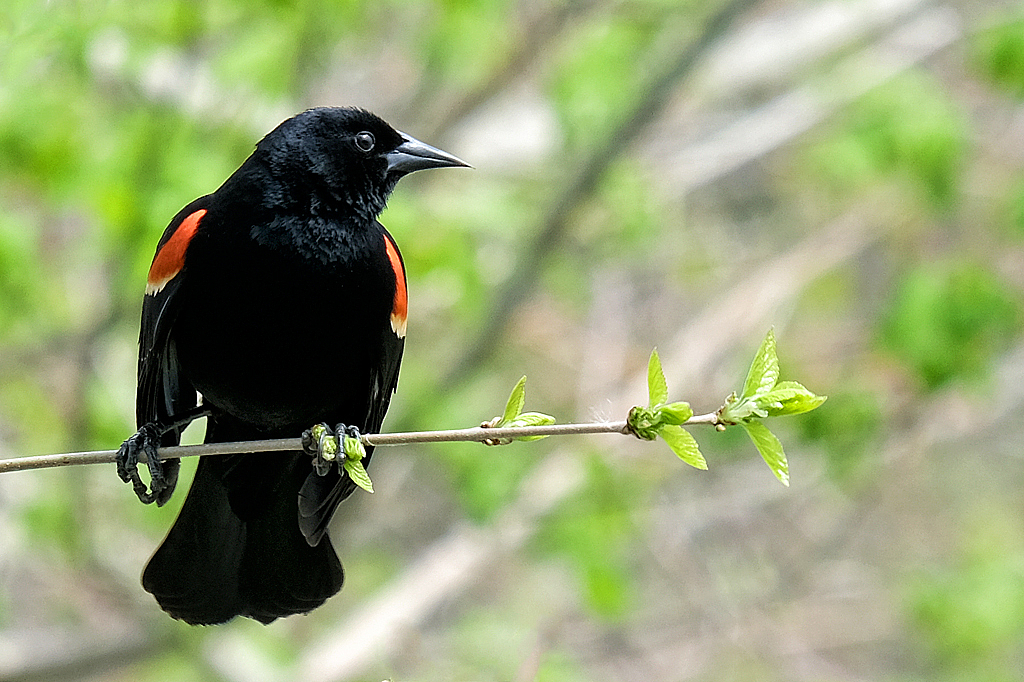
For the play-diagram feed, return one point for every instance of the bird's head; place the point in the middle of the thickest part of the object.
(345, 158)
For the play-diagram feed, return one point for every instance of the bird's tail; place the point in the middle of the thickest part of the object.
(236, 548)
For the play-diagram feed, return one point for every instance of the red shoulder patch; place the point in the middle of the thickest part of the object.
(400, 306)
(170, 257)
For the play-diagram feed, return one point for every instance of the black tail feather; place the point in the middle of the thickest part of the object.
(194, 574)
(236, 548)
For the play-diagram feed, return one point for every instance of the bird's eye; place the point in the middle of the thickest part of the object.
(364, 141)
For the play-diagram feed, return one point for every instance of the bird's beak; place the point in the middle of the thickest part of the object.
(413, 155)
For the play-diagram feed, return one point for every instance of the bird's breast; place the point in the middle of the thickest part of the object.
(280, 336)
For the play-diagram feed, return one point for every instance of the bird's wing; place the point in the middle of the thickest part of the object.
(385, 376)
(163, 392)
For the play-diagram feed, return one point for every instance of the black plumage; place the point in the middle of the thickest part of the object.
(281, 300)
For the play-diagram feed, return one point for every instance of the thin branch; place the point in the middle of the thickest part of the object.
(472, 435)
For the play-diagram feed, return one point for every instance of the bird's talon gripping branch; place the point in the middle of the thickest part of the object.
(320, 443)
(350, 431)
(324, 445)
(145, 440)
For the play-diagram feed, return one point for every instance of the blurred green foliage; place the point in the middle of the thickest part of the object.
(849, 432)
(908, 130)
(593, 533)
(970, 616)
(1016, 210)
(949, 320)
(483, 490)
(599, 66)
(999, 51)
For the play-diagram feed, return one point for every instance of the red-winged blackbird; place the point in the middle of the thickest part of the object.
(282, 301)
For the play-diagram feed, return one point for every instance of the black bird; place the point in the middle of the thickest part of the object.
(282, 301)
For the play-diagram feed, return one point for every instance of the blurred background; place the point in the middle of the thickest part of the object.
(674, 173)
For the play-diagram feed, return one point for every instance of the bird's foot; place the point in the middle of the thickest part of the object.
(161, 479)
(324, 445)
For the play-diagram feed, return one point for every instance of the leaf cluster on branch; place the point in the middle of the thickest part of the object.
(763, 396)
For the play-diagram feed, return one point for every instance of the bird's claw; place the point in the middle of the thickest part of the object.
(323, 444)
(319, 443)
(162, 481)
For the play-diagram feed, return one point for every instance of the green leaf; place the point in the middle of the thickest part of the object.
(657, 387)
(353, 447)
(764, 370)
(683, 444)
(788, 397)
(354, 453)
(531, 419)
(515, 403)
(357, 472)
(675, 413)
(770, 448)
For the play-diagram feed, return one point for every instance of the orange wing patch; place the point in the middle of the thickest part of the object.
(400, 306)
(170, 258)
